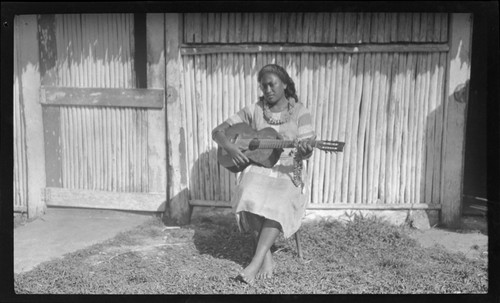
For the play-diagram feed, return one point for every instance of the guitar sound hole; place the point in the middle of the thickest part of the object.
(254, 144)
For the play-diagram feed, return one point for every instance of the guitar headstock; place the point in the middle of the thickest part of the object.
(330, 146)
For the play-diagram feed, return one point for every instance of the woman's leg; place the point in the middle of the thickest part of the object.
(255, 224)
(268, 234)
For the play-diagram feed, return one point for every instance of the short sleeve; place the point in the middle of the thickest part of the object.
(244, 115)
(305, 127)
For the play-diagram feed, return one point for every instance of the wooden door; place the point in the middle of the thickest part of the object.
(104, 137)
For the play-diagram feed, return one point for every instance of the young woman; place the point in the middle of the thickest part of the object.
(269, 200)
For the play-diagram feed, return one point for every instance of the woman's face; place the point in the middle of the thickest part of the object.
(273, 88)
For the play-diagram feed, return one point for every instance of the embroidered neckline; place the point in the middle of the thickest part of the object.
(268, 115)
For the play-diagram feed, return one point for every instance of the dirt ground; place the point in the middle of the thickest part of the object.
(471, 239)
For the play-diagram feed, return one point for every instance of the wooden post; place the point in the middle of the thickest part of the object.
(157, 160)
(178, 210)
(455, 109)
(27, 52)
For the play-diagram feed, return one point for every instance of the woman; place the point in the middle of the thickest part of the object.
(269, 200)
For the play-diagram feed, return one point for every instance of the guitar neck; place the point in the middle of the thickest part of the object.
(271, 144)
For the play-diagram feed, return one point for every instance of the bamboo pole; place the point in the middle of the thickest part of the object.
(430, 27)
(257, 31)
(380, 132)
(415, 32)
(232, 28)
(355, 130)
(251, 27)
(398, 131)
(144, 158)
(381, 27)
(207, 68)
(220, 118)
(185, 83)
(444, 28)
(319, 76)
(204, 27)
(366, 27)
(374, 27)
(423, 27)
(333, 28)
(196, 144)
(264, 27)
(404, 143)
(340, 28)
(430, 126)
(327, 120)
(225, 107)
(423, 143)
(412, 58)
(349, 128)
(419, 100)
(212, 72)
(336, 122)
(436, 195)
(342, 125)
(365, 110)
(372, 130)
(383, 154)
(319, 29)
(387, 27)
(211, 28)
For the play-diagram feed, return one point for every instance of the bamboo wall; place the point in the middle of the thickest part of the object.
(386, 106)
(102, 148)
(20, 167)
(313, 28)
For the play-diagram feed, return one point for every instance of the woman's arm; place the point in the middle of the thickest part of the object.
(219, 136)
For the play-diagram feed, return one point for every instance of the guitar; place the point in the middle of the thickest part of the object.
(263, 147)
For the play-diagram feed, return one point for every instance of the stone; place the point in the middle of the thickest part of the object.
(418, 219)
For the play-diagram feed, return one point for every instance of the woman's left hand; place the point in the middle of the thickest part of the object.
(305, 147)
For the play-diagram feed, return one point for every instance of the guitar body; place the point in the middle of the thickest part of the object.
(246, 138)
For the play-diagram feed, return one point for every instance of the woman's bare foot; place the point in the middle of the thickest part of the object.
(249, 273)
(267, 268)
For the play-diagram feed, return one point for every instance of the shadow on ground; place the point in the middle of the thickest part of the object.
(220, 238)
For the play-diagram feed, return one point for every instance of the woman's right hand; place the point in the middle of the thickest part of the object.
(238, 156)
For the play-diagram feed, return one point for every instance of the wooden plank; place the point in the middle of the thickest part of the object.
(111, 97)
(47, 47)
(148, 202)
(178, 207)
(28, 56)
(157, 154)
(455, 108)
(339, 206)
(201, 49)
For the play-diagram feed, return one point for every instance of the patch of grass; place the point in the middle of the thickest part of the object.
(364, 255)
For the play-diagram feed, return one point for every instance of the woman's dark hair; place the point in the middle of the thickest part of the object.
(284, 77)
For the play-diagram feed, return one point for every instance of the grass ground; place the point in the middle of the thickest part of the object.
(361, 256)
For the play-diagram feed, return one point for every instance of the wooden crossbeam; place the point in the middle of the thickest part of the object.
(133, 201)
(202, 49)
(113, 97)
(333, 206)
